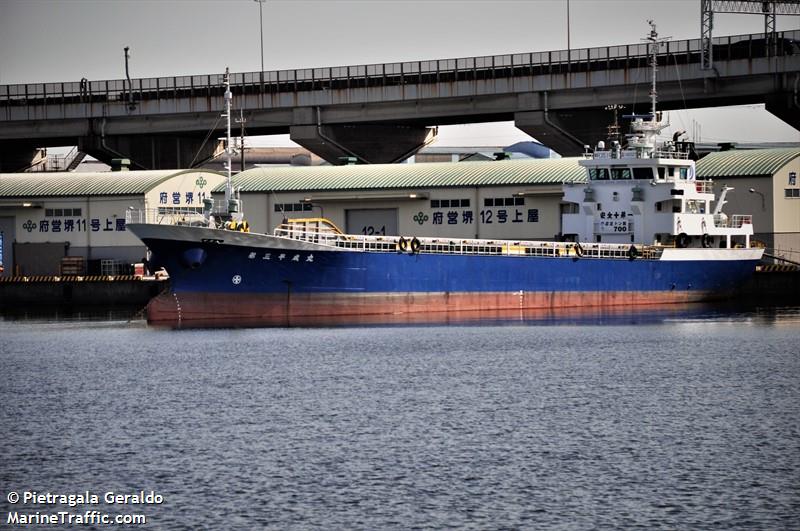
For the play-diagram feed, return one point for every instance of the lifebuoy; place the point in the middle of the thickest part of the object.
(415, 245)
(578, 250)
(682, 240)
(402, 244)
(632, 252)
(707, 241)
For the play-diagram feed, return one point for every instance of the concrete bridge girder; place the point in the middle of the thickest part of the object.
(19, 155)
(565, 132)
(150, 152)
(786, 107)
(368, 143)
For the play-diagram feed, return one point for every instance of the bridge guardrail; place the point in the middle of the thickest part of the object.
(387, 74)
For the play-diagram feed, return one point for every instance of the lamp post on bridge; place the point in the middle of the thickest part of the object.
(131, 106)
(261, 27)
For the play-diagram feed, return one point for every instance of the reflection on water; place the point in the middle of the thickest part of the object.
(72, 313)
(694, 312)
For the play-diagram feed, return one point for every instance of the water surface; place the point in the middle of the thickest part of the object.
(678, 420)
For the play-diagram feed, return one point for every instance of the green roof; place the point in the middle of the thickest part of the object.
(375, 176)
(403, 176)
(745, 163)
(66, 184)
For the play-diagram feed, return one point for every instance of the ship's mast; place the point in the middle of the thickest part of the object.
(228, 150)
(653, 39)
(645, 133)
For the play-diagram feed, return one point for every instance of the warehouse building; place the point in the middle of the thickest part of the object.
(765, 185)
(46, 217)
(503, 199)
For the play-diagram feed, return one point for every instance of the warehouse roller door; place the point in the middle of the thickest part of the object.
(39, 258)
(372, 221)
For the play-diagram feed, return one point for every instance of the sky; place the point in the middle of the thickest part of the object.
(65, 40)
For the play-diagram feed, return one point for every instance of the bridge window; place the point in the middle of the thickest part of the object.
(598, 174)
(643, 173)
(661, 172)
(620, 173)
(684, 173)
(694, 206)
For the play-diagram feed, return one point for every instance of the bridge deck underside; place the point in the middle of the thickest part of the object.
(542, 92)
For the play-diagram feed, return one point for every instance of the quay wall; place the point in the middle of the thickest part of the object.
(18, 292)
(772, 285)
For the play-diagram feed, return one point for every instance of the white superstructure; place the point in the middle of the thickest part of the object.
(647, 192)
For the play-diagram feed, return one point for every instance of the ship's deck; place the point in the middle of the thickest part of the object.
(458, 246)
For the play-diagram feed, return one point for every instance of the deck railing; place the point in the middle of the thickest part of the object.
(179, 215)
(166, 216)
(670, 154)
(733, 222)
(424, 245)
(393, 74)
(633, 154)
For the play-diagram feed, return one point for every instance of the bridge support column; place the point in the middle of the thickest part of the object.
(152, 152)
(565, 132)
(369, 144)
(19, 155)
(785, 107)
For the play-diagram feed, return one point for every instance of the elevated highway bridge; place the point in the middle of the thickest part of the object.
(386, 112)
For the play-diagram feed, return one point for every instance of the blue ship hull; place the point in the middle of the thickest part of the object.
(216, 281)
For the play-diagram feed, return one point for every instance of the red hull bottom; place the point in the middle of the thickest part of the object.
(231, 310)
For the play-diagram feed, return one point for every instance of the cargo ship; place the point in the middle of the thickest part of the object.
(661, 243)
